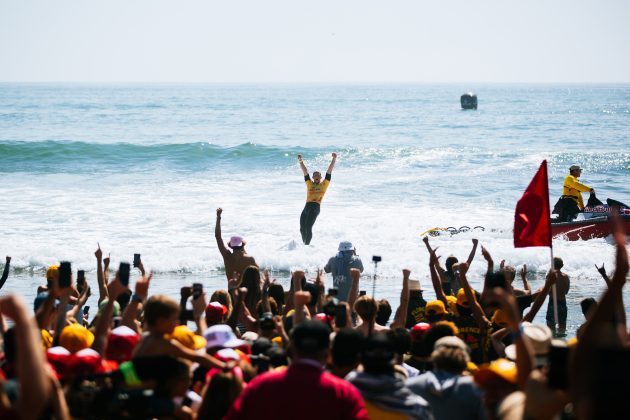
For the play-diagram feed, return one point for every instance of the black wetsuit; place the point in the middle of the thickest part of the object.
(314, 195)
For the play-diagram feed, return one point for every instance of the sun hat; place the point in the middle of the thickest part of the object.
(452, 342)
(221, 335)
(539, 338)
(75, 337)
(345, 246)
(236, 241)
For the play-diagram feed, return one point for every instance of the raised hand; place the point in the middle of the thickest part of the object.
(8, 259)
(219, 211)
(475, 241)
(106, 262)
(302, 298)
(116, 288)
(334, 155)
(406, 273)
(524, 272)
(299, 157)
(601, 270)
(98, 253)
(142, 287)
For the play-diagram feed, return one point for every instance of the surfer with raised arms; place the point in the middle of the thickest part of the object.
(315, 190)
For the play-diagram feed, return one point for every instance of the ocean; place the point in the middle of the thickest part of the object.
(142, 169)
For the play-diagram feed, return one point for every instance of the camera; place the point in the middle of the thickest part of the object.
(266, 322)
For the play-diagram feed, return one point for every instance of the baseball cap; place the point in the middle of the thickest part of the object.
(121, 343)
(215, 312)
(187, 338)
(500, 318)
(52, 272)
(418, 330)
(575, 168)
(345, 246)
(461, 298)
(434, 308)
(103, 304)
(502, 368)
(221, 335)
(75, 337)
(236, 241)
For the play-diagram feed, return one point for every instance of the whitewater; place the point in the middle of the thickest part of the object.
(142, 169)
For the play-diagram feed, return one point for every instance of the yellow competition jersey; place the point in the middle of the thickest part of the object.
(315, 192)
(574, 188)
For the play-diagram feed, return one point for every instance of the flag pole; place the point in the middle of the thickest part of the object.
(554, 293)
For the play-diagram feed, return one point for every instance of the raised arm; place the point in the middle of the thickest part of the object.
(602, 271)
(435, 279)
(477, 312)
(332, 164)
(401, 312)
(526, 286)
(217, 234)
(35, 386)
(5, 272)
(550, 280)
(302, 165)
(102, 287)
(471, 256)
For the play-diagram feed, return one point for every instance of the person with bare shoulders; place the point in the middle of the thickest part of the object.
(236, 260)
(562, 288)
(315, 190)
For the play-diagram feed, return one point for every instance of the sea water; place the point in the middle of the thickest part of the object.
(143, 168)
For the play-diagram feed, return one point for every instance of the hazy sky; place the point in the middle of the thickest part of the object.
(315, 41)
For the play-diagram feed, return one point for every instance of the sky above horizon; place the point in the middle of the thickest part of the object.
(356, 41)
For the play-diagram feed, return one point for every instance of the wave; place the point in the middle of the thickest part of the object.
(65, 156)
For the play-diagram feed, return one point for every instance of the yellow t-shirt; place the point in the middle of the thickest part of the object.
(315, 192)
(574, 188)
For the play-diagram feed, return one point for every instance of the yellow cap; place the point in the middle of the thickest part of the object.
(503, 368)
(76, 337)
(189, 339)
(53, 272)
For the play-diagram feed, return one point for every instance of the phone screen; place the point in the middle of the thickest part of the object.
(136, 260)
(123, 273)
(197, 289)
(362, 293)
(80, 276)
(65, 274)
(333, 292)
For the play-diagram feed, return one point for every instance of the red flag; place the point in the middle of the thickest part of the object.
(532, 225)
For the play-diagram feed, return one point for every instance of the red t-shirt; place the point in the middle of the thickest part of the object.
(302, 391)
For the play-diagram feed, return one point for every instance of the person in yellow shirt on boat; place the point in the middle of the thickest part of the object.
(571, 202)
(315, 190)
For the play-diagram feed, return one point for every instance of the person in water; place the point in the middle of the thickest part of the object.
(340, 266)
(315, 190)
(571, 202)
